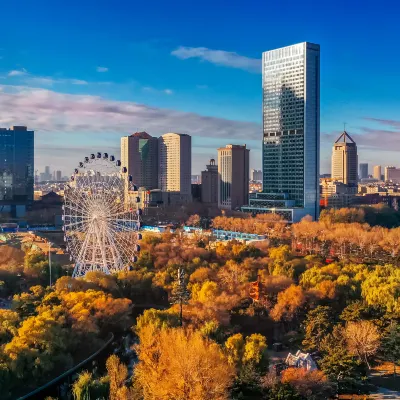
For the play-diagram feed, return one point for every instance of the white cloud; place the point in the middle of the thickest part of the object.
(219, 57)
(76, 81)
(18, 72)
(47, 110)
(101, 69)
(153, 90)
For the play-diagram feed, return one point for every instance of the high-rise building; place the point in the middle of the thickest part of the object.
(175, 166)
(58, 176)
(344, 160)
(392, 174)
(291, 136)
(363, 171)
(378, 172)
(256, 175)
(139, 154)
(209, 184)
(47, 173)
(233, 176)
(16, 165)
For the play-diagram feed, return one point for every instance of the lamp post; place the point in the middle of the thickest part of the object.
(50, 244)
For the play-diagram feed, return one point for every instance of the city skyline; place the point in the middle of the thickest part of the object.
(81, 101)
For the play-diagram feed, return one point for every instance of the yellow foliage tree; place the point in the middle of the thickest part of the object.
(181, 365)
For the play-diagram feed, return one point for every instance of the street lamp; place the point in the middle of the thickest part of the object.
(50, 244)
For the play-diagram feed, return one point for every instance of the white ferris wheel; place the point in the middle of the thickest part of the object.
(101, 216)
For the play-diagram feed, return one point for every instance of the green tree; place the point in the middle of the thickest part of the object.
(180, 295)
(283, 391)
(317, 325)
(339, 365)
(390, 345)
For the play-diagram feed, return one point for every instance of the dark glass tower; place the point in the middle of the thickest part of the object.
(16, 165)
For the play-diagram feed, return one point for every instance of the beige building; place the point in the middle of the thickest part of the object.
(139, 154)
(392, 174)
(233, 176)
(209, 184)
(345, 160)
(378, 172)
(335, 194)
(175, 166)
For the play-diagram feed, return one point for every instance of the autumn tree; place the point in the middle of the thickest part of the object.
(289, 303)
(362, 339)
(313, 385)
(381, 288)
(118, 374)
(183, 365)
(9, 321)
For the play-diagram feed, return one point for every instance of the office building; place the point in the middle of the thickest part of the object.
(336, 194)
(175, 167)
(139, 154)
(378, 172)
(16, 168)
(345, 160)
(291, 134)
(58, 176)
(209, 184)
(392, 174)
(233, 176)
(256, 175)
(363, 171)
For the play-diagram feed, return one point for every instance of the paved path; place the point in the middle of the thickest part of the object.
(385, 394)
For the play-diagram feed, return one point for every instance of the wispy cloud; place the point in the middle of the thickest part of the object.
(43, 80)
(370, 138)
(219, 57)
(386, 122)
(153, 90)
(101, 69)
(18, 72)
(47, 110)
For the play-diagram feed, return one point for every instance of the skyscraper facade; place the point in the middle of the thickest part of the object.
(16, 165)
(378, 172)
(233, 176)
(175, 166)
(139, 154)
(291, 133)
(345, 160)
(58, 176)
(209, 184)
(363, 171)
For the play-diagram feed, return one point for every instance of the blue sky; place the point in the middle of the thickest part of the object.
(82, 74)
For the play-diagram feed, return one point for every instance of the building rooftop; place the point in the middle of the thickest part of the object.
(142, 135)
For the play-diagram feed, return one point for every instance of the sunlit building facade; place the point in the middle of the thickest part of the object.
(175, 167)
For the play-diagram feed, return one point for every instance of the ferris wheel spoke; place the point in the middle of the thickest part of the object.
(100, 227)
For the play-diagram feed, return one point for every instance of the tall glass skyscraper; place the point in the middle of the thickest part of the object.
(291, 137)
(16, 165)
